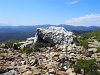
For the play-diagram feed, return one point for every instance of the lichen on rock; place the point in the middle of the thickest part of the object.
(55, 35)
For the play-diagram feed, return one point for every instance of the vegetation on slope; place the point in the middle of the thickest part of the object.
(95, 34)
(83, 39)
(98, 50)
(89, 67)
(27, 49)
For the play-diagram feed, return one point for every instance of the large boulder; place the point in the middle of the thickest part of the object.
(55, 35)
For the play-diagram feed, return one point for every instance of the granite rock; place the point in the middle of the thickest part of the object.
(55, 35)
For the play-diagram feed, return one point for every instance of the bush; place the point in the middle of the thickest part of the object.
(27, 49)
(98, 50)
(3, 51)
(89, 66)
(95, 34)
(93, 73)
(83, 43)
(10, 43)
(83, 40)
(38, 45)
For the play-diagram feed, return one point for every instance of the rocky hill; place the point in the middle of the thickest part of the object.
(55, 35)
(35, 57)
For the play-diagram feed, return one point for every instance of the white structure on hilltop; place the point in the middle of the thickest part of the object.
(57, 35)
(52, 35)
(29, 41)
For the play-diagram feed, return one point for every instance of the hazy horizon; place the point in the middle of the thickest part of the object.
(4, 25)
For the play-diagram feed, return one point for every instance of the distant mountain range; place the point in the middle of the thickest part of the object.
(23, 32)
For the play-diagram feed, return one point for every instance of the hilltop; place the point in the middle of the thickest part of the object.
(53, 50)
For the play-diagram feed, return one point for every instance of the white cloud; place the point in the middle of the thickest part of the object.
(71, 2)
(87, 20)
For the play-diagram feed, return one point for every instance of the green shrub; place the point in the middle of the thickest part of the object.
(10, 43)
(3, 51)
(83, 40)
(38, 45)
(26, 49)
(83, 43)
(98, 50)
(89, 66)
(95, 34)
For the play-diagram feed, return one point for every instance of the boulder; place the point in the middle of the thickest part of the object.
(55, 35)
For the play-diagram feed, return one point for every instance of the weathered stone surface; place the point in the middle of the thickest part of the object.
(55, 35)
(50, 60)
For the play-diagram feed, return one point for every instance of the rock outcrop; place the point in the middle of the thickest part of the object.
(55, 35)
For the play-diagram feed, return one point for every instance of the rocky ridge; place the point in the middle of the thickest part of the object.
(55, 35)
(55, 60)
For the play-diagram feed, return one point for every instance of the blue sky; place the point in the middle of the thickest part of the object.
(32, 12)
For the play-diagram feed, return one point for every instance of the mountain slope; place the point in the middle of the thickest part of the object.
(22, 32)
